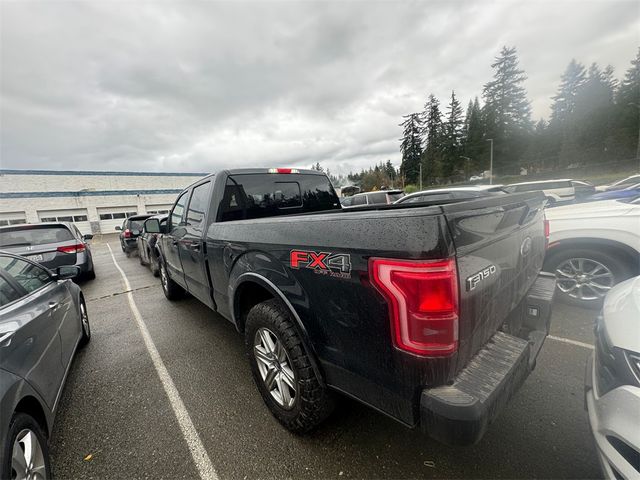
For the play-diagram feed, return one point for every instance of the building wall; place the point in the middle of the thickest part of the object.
(31, 196)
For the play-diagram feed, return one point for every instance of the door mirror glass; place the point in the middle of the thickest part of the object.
(67, 271)
(152, 225)
(88, 236)
(118, 228)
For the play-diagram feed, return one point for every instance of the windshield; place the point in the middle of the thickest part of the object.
(39, 235)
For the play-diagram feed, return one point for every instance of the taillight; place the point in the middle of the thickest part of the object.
(546, 233)
(77, 248)
(284, 170)
(127, 233)
(423, 303)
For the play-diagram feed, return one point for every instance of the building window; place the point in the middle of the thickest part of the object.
(79, 218)
(105, 216)
(12, 221)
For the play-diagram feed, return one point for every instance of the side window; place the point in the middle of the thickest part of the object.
(377, 198)
(360, 200)
(178, 210)
(198, 205)
(8, 294)
(347, 202)
(29, 276)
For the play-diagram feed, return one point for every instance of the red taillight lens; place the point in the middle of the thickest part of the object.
(127, 233)
(284, 170)
(546, 233)
(79, 247)
(423, 303)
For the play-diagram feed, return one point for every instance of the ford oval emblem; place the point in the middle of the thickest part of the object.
(525, 248)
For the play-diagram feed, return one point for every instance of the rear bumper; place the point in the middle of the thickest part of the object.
(458, 414)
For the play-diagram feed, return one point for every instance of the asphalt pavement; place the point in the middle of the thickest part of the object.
(116, 419)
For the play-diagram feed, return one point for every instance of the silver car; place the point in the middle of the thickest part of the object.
(43, 320)
(612, 385)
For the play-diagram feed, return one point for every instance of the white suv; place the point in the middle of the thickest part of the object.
(556, 191)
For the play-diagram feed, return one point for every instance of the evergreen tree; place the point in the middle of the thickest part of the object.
(452, 141)
(411, 147)
(507, 111)
(474, 146)
(390, 170)
(564, 102)
(628, 111)
(433, 136)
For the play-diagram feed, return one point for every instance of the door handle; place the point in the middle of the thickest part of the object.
(53, 305)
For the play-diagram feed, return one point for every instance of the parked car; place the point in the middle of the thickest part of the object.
(52, 244)
(379, 304)
(130, 231)
(452, 193)
(620, 184)
(382, 197)
(556, 191)
(476, 178)
(593, 246)
(147, 251)
(43, 320)
(612, 383)
(629, 192)
(583, 189)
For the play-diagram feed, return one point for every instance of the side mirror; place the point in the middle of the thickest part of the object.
(67, 271)
(152, 225)
(88, 236)
(119, 228)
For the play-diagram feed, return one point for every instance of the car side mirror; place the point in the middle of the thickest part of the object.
(152, 225)
(119, 228)
(88, 236)
(66, 271)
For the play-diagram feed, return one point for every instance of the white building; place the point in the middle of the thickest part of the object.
(95, 201)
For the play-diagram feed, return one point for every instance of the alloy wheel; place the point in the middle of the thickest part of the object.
(27, 458)
(84, 317)
(163, 277)
(584, 278)
(275, 367)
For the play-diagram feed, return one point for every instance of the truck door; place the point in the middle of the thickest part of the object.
(171, 240)
(192, 245)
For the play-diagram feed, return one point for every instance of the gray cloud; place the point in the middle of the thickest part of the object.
(199, 86)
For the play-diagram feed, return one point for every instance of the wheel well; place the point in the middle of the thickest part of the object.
(248, 295)
(621, 250)
(31, 406)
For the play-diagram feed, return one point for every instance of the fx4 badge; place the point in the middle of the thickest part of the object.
(322, 263)
(473, 281)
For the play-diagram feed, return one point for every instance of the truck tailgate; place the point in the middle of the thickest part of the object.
(500, 245)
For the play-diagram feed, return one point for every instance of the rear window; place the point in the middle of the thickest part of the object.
(377, 198)
(137, 223)
(40, 235)
(265, 195)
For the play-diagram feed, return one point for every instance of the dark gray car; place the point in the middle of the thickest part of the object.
(50, 244)
(43, 320)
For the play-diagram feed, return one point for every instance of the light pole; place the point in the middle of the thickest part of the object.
(491, 162)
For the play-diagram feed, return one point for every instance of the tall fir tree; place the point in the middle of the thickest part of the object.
(507, 111)
(411, 147)
(433, 137)
(628, 109)
(474, 145)
(452, 138)
(564, 102)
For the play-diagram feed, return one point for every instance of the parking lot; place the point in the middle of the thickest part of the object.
(116, 420)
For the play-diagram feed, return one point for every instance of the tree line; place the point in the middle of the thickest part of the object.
(595, 118)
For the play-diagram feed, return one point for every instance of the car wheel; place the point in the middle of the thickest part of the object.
(26, 453)
(171, 289)
(282, 369)
(84, 322)
(124, 249)
(584, 276)
(153, 264)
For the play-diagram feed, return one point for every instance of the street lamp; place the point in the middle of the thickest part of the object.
(491, 162)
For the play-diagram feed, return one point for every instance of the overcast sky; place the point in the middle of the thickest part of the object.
(200, 86)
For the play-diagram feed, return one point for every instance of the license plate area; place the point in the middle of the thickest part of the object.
(35, 258)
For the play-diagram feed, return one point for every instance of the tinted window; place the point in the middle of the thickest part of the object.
(30, 277)
(377, 198)
(34, 236)
(198, 205)
(347, 202)
(136, 224)
(395, 196)
(262, 195)
(360, 200)
(8, 294)
(178, 210)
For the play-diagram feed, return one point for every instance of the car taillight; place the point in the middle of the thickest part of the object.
(77, 248)
(127, 233)
(546, 233)
(423, 303)
(283, 170)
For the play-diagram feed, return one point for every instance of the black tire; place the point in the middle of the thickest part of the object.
(124, 249)
(171, 289)
(312, 402)
(84, 324)
(154, 265)
(18, 424)
(610, 260)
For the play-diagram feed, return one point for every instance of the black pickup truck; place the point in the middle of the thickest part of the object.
(433, 314)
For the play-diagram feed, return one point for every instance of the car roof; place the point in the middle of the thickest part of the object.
(541, 181)
(468, 188)
(393, 190)
(27, 226)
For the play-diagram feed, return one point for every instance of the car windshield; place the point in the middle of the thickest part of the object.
(39, 235)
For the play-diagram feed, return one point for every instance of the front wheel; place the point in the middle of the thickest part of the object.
(282, 369)
(84, 324)
(26, 454)
(171, 289)
(154, 264)
(584, 276)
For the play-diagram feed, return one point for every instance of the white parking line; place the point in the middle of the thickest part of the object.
(198, 452)
(571, 342)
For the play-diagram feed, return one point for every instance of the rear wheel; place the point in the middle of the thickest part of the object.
(84, 322)
(154, 264)
(171, 289)
(584, 276)
(26, 454)
(282, 370)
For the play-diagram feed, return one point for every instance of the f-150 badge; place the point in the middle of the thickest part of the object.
(473, 281)
(323, 263)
